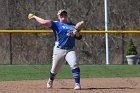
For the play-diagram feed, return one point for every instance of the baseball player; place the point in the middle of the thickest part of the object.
(64, 50)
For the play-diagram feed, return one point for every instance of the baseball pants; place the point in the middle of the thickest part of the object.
(62, 55)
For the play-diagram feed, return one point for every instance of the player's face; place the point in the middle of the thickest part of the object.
(63, 17)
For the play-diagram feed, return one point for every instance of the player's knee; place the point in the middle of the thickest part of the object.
(54, 71)
(74, 66)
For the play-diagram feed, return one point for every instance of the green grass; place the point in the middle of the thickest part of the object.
(37, 72)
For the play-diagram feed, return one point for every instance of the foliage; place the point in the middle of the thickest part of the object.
(131, 48)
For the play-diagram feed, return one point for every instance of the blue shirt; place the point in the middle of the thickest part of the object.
(63, 35)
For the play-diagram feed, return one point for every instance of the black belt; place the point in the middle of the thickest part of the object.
(64, 47)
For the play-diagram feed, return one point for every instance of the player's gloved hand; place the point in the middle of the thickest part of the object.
(78, 36)
(76, 31)
(78, 27)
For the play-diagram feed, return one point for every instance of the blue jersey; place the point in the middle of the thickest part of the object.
(62, 33)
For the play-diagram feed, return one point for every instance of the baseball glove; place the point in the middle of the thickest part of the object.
(78, 27)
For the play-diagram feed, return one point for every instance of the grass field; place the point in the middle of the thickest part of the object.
(38, 72)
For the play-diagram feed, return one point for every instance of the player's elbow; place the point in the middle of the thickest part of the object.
(46, 23)
(42, 22)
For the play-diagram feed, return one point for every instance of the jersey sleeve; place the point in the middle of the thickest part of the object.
(54, 26)
(55, 29)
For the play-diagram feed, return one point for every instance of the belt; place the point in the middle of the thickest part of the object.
(64, 47)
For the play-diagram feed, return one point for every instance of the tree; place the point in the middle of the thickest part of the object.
(131, 48)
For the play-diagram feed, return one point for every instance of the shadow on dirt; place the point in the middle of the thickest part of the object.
(102, 88)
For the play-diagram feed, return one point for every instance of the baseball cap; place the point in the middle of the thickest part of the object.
(61, 11)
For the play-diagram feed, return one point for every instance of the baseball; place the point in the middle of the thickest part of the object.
(30, 16)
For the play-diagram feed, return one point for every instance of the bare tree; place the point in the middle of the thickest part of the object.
(29, 48)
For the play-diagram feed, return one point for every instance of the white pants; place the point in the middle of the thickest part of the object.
(62, 55)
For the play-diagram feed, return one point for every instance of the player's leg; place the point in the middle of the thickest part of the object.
(72, 60)
(57, 61)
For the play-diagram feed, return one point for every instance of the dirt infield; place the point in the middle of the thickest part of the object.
(89, 85)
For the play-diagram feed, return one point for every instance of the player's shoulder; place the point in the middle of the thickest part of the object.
(71, 23)
(58, 23)
(55, 22)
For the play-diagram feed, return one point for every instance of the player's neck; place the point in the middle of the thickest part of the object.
(64, 20)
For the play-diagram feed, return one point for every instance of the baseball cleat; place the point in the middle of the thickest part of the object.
(49, 83)
(77, 86)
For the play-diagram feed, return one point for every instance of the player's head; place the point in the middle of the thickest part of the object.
(62, 15)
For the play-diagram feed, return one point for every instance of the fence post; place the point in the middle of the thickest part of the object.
(11, 54)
